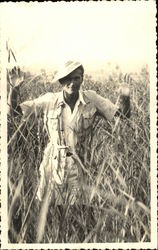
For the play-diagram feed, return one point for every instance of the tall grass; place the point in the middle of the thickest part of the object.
(116, 165)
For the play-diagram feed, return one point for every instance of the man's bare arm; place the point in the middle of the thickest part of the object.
(124, 104)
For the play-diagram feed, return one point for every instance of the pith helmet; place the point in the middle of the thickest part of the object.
(66, 69)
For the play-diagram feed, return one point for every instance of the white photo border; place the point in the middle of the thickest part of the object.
(153, 133)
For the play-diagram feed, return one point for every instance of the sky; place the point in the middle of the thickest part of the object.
(44, 35)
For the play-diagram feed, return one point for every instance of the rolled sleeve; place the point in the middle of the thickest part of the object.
(35, 105)
(103, 105)
(27, 108)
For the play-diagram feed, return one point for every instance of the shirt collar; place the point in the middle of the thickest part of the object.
(61, 100)
(81, 99)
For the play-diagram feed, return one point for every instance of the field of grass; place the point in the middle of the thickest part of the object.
(118, 173)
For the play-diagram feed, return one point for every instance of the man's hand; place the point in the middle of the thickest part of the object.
(15, 77)
(124, 90)
(15, 80)
(124, 98)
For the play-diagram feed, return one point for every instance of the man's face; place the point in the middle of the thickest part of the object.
(71, 83)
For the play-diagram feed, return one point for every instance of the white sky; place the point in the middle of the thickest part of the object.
(46, 34)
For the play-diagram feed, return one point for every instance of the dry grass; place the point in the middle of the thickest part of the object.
(117, 169)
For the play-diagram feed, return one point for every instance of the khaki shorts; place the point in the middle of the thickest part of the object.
(68, 190)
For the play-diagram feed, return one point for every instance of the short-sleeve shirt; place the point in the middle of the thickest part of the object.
(66, 128)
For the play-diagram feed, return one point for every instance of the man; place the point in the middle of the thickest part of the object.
(68, 119)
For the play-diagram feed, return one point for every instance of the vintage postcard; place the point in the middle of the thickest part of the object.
(78, 125)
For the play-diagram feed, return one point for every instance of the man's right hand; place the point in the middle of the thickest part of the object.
(16, 79)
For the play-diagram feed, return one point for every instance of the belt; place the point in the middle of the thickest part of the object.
(68, 153)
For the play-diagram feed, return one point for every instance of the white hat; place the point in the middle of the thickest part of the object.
(66, 69)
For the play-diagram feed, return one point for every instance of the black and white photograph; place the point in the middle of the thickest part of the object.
(78, 125)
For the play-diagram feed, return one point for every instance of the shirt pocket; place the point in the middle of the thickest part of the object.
(88, 116)
(52, 121)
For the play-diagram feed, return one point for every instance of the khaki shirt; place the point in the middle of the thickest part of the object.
(87, 106)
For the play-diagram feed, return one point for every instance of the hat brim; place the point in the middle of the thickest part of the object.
(66, 70)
